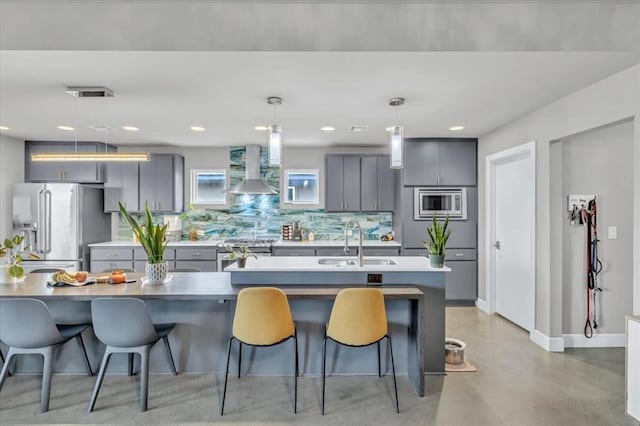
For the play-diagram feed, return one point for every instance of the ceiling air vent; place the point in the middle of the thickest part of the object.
(89, 91)
(358, 128)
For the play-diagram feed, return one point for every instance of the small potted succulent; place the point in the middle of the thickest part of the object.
(152, 239)
(438, 236)
(12, 252)
(240, 255)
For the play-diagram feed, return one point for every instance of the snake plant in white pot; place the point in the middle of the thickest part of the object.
(437, 244)
(152, 238)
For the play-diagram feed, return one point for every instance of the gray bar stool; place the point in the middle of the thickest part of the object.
(27, 327)
(125, 326)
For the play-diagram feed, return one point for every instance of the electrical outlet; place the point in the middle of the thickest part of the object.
(579, 201)
(349, 232)
(612, 232)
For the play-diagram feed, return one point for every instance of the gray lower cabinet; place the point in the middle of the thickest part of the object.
(80, 172)
(161, 183)
(294, 252)
(462, 280)
(203, 266)
(336, 251)
(98, 266)
(203, 258)
(440, 162)
(381, 251)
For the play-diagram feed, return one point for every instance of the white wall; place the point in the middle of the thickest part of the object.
(598, 162)
(11, 171)
(608, 101)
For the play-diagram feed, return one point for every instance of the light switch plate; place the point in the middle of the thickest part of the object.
(578, 200)
(612, 232)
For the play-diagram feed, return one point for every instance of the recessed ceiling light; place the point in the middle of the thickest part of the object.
(327, 128)
(456, 128)
(4, 128)
(68, 128)
(261, 128)
(197, 128)
(130, 128)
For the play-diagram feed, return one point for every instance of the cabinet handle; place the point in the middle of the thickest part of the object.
(459, 254)
(196, 255)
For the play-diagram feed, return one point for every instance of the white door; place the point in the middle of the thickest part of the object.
(513, 240)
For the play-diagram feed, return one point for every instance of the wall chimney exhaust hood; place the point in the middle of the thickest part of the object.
(252, 184)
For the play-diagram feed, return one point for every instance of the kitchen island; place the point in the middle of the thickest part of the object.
(202, 304)
(384, 271)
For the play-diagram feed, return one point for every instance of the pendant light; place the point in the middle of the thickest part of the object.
(274, 135)
(396, 138)
(75, 156)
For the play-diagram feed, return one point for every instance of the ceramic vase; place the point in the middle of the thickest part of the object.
(436, 260)
(156, 272)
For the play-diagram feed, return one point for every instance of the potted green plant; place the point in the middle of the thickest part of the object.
(240, 255)
(152, 238)
(10, 250)
(437, 244)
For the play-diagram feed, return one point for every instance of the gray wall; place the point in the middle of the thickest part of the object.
(11, 171)
(608, 101)
(599, 162)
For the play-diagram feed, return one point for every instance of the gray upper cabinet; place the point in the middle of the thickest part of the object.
(81, 172)
(377, 182)
(440, 162)
(161, 183)
(358, 183)
(121, 185)
(369, 183)
(342, 183)
(334, 189)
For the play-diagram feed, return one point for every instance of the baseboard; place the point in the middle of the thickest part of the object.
(482, 305)
(550, 344)
(605, 340)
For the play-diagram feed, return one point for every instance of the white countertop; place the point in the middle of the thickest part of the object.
(326, 243)
(310, 264)
(292, 244)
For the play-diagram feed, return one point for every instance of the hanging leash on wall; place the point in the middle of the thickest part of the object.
(589, 217)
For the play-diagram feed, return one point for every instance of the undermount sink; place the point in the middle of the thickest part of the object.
(379, 262)
(337, 262)
(354, 262)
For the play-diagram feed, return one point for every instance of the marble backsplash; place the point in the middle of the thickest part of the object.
(260, 216)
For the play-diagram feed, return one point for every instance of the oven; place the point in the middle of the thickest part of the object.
(440, 202)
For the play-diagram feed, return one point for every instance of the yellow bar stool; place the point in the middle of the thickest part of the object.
(358, 319)
(262, 318)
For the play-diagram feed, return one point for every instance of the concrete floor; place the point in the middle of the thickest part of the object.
(518, 383)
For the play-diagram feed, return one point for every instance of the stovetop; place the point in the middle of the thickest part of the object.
(249, 242)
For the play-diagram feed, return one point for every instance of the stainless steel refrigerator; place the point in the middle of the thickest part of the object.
(58, 221)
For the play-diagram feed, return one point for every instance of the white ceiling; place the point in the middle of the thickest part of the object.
(163, 93)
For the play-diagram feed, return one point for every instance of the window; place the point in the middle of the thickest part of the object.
(208, 186)
(301, 187)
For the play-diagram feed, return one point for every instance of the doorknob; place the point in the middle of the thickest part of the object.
(497, 245)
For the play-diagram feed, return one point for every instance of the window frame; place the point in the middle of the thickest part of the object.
(286, 188)
(194, 186)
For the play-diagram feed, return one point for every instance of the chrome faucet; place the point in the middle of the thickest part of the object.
(346, 241)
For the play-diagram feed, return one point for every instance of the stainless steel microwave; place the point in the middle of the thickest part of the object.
(440, 202)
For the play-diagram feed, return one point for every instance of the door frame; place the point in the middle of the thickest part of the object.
(527, 152)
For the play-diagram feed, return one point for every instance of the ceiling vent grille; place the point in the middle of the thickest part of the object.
(89, 91)
(358, 128)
